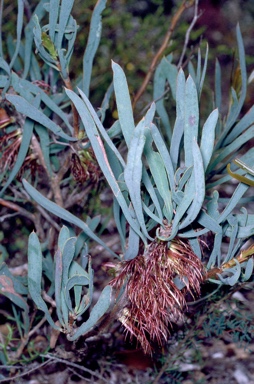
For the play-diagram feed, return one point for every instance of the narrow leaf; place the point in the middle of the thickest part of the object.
(133, 173)
(208, 137)
(199, 187)
(35, 114)
(123, 103)
(65, 10)
(97, 312)
(191, 120)
(101, 157)
(24, 146)
(35, 276)
(63, 214)
(92, 44)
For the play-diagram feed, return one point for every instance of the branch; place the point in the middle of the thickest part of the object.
(17, 208)
(243, 257)
(162, 48)
(187, 35)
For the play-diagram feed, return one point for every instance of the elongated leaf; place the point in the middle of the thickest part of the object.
(218, 85)
(161, 146)
(17, 65)
(82, 238)
(165, 71)
(240, 127)
(97, 312)
(150, 189)
(76, 271)
(45, 145)
(209, 222)
(24, 146)
(23, 87)
(120, 223)
(35, 114)
(237, 105)
(101, 129)
(77, 281)
(201, 82)
(19, 286)
(191, 120)
(232, 280)
(238, 193)
(35, 276)
(123, 103)
(199, 187)
(65, 10)
(215, 257)
(92, 44)
(38, 39)
(195, 245)
(183, 206)
(58, 276)
(231, 148)
(64, 235)
(105, 106)
(179, 123)
(7, 289)
(101, 157)
(53, 16)
(5, 66)
(133, 173)
(248, 269)
(133, 246)
(232, 220)
(63, 214)
(68, 254)
(185, 176)
(67, 258)
(19, 30)
(208, 137)
(28, 56)
(159, 174)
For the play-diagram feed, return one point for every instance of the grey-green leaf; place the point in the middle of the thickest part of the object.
(97, 312)
(63, 214)
(35, 276)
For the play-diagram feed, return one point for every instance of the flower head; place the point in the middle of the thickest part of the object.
(155, 299)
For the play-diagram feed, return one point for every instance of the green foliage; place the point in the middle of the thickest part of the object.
(69, 278)
(165, 191)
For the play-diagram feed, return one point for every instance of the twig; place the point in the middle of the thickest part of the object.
(74, 199)
(18, 209)
(187, 35)
(80, 376)
(24, 373)
(81, 368)
(162, 48)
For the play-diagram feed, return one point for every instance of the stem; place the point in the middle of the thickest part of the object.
(75, 115)
(243, 257)
(162, 48)
(187, 35)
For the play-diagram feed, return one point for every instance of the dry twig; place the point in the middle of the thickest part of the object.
(185, 5)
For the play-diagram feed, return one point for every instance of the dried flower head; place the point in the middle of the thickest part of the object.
(154, 297)
(84, 167)
(9, 149)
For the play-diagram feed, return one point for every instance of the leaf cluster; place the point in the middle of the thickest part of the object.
(166, 179)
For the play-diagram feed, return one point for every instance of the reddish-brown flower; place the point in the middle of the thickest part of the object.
(156, 286)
